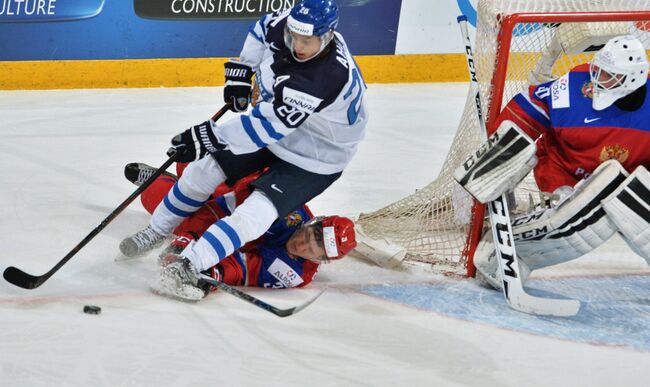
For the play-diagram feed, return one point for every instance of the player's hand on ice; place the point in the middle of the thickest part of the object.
(237, 91)
(194, 143)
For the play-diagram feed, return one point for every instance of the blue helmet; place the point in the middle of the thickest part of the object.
(314, 17)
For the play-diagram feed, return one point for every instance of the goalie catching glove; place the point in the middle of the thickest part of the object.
(499, 164)
(194, 143)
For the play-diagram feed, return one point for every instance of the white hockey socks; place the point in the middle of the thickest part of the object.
(250, 220)
(499, 164)
(629, 208)
(198, 182)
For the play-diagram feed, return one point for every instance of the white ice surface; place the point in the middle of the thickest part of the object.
(61, 158)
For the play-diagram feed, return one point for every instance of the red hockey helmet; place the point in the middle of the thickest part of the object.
(338, 236)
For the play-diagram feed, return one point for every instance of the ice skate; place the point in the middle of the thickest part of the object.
(179, 280)
(141, 243)
(138, 173)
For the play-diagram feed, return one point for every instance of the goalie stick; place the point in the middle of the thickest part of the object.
(25, 280)
(256, 301)
(506, 254)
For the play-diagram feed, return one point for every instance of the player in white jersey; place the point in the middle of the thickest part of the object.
(304, 129)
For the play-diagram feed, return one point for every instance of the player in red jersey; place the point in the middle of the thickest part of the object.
(587, 135)
(287, 255)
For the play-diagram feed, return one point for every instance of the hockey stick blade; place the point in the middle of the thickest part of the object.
(24, 280)
(513, 287)
(510, 269)
(257, 302)
(521, 301)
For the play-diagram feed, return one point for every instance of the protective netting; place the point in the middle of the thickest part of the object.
(433, 223)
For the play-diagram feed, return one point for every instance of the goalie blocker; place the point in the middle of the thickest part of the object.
(499, 164)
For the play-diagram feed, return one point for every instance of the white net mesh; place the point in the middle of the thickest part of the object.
(433, 224)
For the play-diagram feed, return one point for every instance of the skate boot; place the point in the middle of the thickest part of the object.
(138, 173)
(141, 242)
(179, 279)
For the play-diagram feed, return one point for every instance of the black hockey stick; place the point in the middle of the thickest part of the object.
(256, 301)
(25, 280)
(506, 254)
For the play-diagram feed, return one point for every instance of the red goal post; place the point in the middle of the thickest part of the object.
(516, 43)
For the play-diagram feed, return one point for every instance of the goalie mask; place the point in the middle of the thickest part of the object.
(310, 27)
(617, 70)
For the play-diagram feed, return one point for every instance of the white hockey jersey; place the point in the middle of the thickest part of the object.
(310, 114)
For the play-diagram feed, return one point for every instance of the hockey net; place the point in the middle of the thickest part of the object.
(517, 43)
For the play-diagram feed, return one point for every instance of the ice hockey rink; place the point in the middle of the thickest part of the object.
(62, 154)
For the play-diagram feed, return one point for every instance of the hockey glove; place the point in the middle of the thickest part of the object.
(238, 85)
(194, 143)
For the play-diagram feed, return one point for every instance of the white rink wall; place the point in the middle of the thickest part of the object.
(429, 26)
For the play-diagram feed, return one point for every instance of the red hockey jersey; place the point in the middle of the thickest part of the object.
(573, 137)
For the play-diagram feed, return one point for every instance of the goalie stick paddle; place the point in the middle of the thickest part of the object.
(25, 280)
(512, 286)
(256, 301)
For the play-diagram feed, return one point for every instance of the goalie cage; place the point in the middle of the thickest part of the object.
(517, 43)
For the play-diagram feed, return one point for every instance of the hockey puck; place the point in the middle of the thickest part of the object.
(92, 309)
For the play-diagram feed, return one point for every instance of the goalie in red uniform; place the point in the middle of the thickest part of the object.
(587, 136)
(287, 255)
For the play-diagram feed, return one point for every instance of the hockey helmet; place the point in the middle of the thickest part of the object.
(617, 70)
(312, 18)
(339, 237)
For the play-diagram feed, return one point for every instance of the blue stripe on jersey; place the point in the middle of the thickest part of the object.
(248, 127)
(251, 31)
(266, 124)
(353, 109)
(215, 243)
(185, 199)
(221, 202)
(230, 232)
(531, 110)
(262, 23)
(174, 210)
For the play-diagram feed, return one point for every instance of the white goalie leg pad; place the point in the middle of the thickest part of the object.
(576, 226)
(629, 208)
(499, 164)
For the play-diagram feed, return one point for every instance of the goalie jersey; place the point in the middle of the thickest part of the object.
(573, 137)
(310, 114)
(266, 263)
